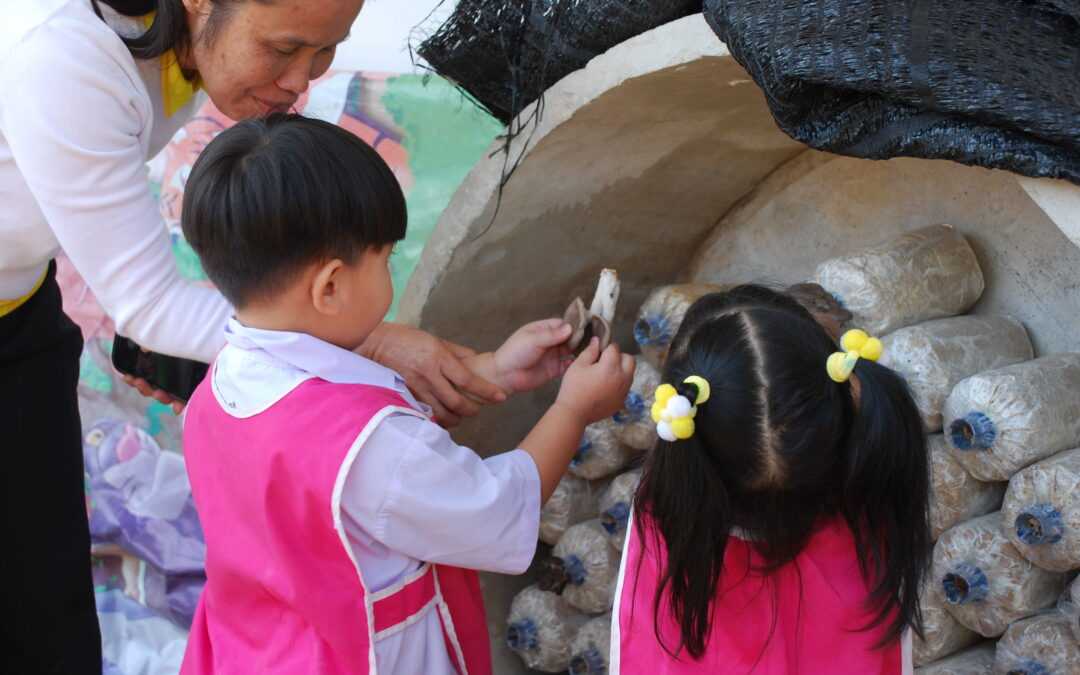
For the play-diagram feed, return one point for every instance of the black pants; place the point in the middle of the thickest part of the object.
(47, 616)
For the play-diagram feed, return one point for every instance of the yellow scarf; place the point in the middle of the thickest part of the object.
(9, 306)
(176, 90)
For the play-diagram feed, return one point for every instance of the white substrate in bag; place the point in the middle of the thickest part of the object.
(944, 635)
(1002, 420)
(600, 453)
(615, 506)
(1042, 512)
(591, 647)
(1069, 606)
(934, 356)
(956, 495)
(985, 582)
(975, 661)
(574, 500)
(1041, 645)
(924, 274)
(634, 425)
(661, 315)
(540, 629)
(591, 567)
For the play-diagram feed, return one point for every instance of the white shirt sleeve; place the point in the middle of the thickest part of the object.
(73, 123)
(418, 493)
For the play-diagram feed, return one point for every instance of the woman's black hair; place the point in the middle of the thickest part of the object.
(169, 29)
(779, 447)
(269, 196)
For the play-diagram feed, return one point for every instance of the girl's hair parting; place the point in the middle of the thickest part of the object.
(269, 196)
(779, 447)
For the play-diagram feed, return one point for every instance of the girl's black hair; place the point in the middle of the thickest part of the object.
(778, 448)
(270, 196)
(169, 29)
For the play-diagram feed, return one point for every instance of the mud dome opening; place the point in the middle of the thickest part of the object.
(660, 159)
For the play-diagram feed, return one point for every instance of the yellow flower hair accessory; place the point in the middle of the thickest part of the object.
(674, 414)
(856, 345)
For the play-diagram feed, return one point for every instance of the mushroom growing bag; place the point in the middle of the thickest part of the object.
(590, 567)
(985, 582)
(600, 453)
(573, 501)
(591, 647)
(934, 356)
(956, 495)
(944, 635)
(615, 505)
(1042, 512)
(975, 661)
(634, 425)
(540, 629)
(924, 274)
(1040, 645)
(1002, 420)
(661, 316)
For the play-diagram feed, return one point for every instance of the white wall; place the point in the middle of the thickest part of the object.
(379, 39)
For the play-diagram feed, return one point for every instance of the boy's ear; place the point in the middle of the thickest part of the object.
(327, 290)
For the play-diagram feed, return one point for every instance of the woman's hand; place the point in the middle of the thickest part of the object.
(158, 395)
(433, 371)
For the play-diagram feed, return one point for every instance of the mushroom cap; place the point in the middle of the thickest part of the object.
(577, 316)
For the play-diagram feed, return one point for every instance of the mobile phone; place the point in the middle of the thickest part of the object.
(172, 375)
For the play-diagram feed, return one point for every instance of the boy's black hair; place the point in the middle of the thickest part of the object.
(269, 196)
(779, 447)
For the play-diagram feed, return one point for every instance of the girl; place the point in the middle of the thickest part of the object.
(781, 527)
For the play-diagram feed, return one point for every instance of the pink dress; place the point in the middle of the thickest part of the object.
(271, 605)
(808, 624)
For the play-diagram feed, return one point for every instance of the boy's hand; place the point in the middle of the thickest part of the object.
(533, 356)
(595, 386)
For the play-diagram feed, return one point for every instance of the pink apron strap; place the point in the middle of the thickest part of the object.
(396, 607)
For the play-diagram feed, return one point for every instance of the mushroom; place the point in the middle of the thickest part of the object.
(597, 319)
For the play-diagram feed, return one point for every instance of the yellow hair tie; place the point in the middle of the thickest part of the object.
(856, 345)
(674, 414)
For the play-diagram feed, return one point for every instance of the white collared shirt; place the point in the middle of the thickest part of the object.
(411, 495)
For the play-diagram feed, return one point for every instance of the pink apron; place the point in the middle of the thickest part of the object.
(283, 594)
(806, 625)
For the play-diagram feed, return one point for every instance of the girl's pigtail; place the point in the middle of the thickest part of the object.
(885, 495)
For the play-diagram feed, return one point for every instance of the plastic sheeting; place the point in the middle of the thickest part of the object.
(590, 566)
(541, 628)
(934, 356)
(956, 495)
(506, 53)
(921, 275)
(634, 425)
(1000, 421)
(1040, 645)
(989, 83)
(137, 641)
(1042, 512)
(985, 582)
(574, 500)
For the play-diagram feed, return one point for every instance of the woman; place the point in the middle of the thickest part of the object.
(94, 88)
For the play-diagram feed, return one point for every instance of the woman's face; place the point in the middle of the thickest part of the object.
(258, 56)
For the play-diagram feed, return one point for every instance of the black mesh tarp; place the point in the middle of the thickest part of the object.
(993, 83)
(505, 53)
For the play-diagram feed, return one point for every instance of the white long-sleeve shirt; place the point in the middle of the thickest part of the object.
(79, 118)
(411, 494)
